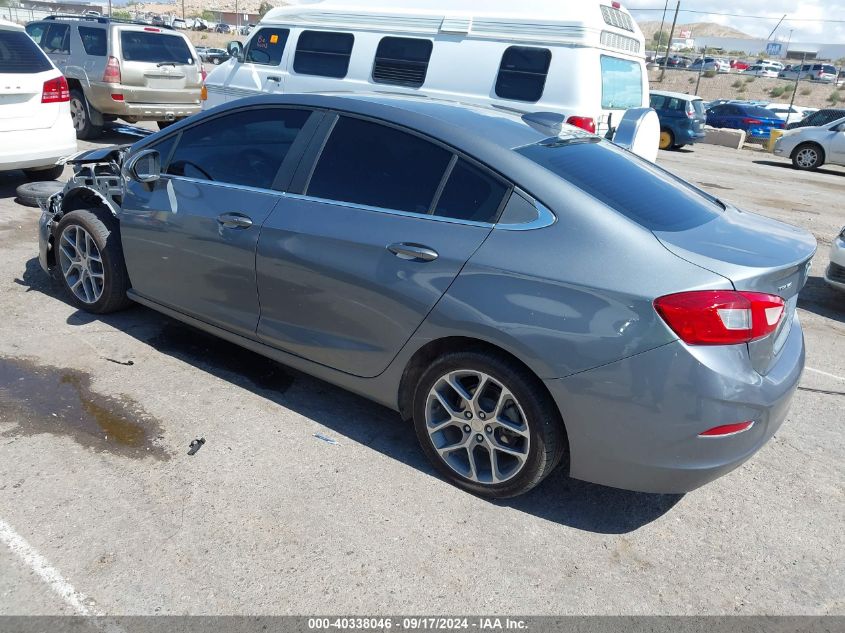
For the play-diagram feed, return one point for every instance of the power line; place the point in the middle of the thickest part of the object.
(739, 15)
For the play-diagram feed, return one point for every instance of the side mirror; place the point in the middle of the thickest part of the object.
(236, 50)
(145, 166)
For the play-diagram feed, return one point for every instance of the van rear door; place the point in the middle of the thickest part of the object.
(157, 66)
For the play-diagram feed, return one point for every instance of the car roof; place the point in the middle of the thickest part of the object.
(676, 95)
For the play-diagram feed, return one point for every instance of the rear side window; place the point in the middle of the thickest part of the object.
(402, 61)
(698, 106)
(323, 54)
(380, 166)
(657, 102)
(621, 83)
(56, 39)
(471, 194)
(154, 48)
(36, 31)
(93, 40)
(639, 190)
(266, 47)
(243, 148)
(20, 55)
(522, 73)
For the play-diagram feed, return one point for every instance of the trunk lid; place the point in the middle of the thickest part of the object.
(756, 254)
(20, 102)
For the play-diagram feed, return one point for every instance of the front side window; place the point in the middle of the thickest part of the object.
(154, 48)
(522, 73)
(93, 40)
(267, 46)
(20, 55)
(402, 61)
(380, 166)
(323, 53)
(621, 83)
(243, 148)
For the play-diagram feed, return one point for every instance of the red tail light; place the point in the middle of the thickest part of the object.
(727, 429)
(720, 317)
(55, 91)
(112, 74)
(150, 28)
(584, 122)
(752, 122)
(690, 111)
(203, 74)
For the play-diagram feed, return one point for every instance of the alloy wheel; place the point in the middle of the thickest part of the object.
(81, 264)
(807, 157)
(477, 426)
(77, 114)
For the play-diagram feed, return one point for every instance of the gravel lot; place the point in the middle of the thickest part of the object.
(102, 511)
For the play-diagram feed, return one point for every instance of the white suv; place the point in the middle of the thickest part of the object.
(35, 125)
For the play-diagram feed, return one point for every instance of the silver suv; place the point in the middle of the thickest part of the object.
(119, 69)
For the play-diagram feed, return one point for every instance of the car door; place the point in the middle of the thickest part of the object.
(350, 265)
(264, 69)
(56, 43)
(836, 153)
(189, 238)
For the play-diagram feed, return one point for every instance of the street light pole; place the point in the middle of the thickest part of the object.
(660, 32)
(795, 89)
(700, 68)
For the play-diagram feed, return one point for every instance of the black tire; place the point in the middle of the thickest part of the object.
(51, 173)
(81, 112)
(30, 193)
(802, 157)
(164, 124)
(107, 239)
(546, 431)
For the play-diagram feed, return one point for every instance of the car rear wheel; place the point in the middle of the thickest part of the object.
(808, 156)
(667, 139)
(487, 424)
(90, 259)
(80, 115)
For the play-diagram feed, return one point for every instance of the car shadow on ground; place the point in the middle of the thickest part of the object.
(559, 499)
(819, 298)
(788, 165)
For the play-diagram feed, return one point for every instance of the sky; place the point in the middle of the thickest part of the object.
(812, 20)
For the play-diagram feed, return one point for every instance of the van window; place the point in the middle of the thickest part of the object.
(380, 166)
(243, 148)
(522, 73)
(93, 41)
(266, 46)
(19, 54)
(324, 54)
(471, 194)
(402, 61)
(144, 46)
(621, 83)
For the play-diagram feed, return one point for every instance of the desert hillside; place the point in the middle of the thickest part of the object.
(699, 29)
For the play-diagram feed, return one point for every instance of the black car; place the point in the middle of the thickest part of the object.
(675, 61)
(223, 28)
(215, 56)
(820, 117)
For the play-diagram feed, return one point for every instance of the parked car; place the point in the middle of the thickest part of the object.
(674, 61)
(246, 29)
(771, 62)
(763, 70)
(682, 118)
(835, 273)
(790, 114)
(819, 117)
(814, 72)
(812, 147)
(35, 125)
(215, 56)
(121, 69)
(223, 28)
(739, 66)
(386, 237)
(524, 60)
(755, 120)
(179, 23)
(711, 63)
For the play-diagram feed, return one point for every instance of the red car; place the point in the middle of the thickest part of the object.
(738, 65)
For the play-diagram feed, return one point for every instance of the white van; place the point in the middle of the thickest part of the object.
(585, 60)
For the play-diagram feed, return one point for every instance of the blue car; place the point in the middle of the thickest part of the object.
(681, 117)
(756, 121)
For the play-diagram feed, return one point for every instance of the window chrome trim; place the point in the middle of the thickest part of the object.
(545, 217)
(227, 185)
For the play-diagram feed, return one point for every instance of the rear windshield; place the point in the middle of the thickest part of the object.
(757, 111)
(19, 54)
(639, 190)
(143, 46)
(698, 106)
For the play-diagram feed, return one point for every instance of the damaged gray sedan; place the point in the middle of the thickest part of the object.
(527, 293)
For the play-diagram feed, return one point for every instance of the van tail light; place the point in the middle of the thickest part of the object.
(584, 122)
(112, 73)
(690, 111)
(720, 317)
(55, 91)
(203, 93)
(752, 122)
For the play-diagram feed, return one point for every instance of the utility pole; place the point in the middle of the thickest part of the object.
(797, 78)
(700, 69)
(183, 9)
(776, 27)
(669, 43)
(660, 32)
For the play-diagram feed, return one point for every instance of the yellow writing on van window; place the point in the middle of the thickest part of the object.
(274, 39)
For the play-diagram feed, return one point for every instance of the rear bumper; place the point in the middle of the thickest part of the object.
(689, 136)
(142, 104)
(27, 149)
(634, 424)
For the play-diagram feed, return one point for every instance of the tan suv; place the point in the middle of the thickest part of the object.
(119, 69)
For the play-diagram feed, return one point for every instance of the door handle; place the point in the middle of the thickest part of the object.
(413, 252)
(234, 220)
(277, 80)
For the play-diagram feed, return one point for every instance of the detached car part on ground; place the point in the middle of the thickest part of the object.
(527, 293)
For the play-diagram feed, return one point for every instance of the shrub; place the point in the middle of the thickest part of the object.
(741, 88)
(777, 91)
(691, 80)
(737, 84)
(710, 74)
(806, 91)
(748, 80)
(835, 97)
